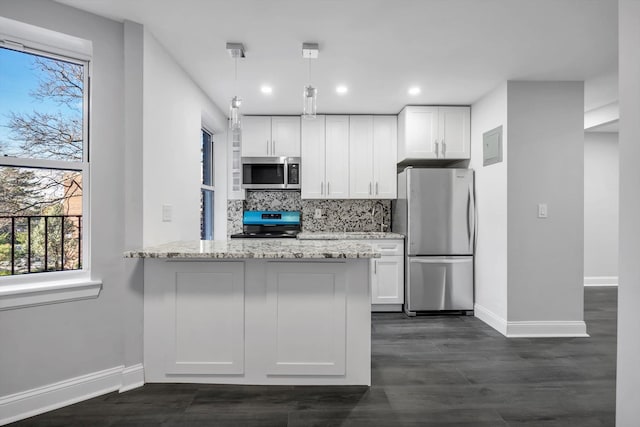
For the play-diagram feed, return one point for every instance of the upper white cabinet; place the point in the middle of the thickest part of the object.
(426, 133)
(372, 154)
(349, 157)
(264, 136)
(325, 158)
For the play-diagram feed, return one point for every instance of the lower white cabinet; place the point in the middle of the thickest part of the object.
(386, 275)
(387, 280)
(257, 321)
(204, 308)
(306, 306)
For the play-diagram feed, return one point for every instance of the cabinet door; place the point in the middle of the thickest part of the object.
(418, 133)
(361, 157)
(454, 132)
(306, 318)
(387, 280)
(204, 305)
(313, 158)
(256, 136)
(384, 157)
(285, 136)
(337, 157)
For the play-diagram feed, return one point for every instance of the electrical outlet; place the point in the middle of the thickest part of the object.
(543, 211)
(167, 213)
(318, 214)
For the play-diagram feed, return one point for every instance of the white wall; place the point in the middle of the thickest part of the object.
(628, 374)
(174, 109)
(601, 207)
(546, 256)
(45, 344)
(491, 189)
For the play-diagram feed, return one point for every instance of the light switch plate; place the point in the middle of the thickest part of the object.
(543, 211)
(317, 214)
(167, 213)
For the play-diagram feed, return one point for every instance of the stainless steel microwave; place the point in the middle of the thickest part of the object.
(271, 173)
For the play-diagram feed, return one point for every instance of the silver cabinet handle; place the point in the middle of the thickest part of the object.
(321, 187)
(377, 189)
(328, 188)
(369, 188)
(375, 267)
(437, 155)
(444, 148)
(273, 147)
(267, 147)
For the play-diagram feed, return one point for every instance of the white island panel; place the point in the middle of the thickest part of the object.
(256, 321)
(307, 315)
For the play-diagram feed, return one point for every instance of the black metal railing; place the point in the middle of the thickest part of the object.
(38, 243)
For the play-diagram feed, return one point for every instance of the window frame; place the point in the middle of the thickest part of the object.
(204, 187)
(54, 286)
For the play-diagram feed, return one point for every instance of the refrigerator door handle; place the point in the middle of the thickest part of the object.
(439, 261)
(472, 219)
(469, 216)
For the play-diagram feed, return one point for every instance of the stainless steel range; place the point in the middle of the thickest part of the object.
(258, 224)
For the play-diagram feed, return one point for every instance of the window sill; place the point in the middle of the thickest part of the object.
(41, 291)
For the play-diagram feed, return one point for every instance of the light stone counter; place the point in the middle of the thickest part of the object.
(350, 235)
(259, 248)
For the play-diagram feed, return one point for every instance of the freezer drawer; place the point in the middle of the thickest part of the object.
(439, 283)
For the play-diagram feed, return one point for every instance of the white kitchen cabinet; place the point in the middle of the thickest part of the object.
(265, 136)
(387, 280)
(385, 150)
(372, 154)
(309, 337)
(203, 305)
(387, 275)
(337, 157)
(325, 158)
(434, 133)
(361, 157)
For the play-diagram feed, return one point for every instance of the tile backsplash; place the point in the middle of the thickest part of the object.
(337, 215)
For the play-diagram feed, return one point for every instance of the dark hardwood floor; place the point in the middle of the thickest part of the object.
(427, 371)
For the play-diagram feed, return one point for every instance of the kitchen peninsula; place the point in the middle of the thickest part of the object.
(250, 311)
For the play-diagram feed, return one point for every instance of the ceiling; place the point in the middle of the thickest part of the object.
(455, 50)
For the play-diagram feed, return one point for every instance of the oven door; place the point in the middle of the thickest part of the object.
(264, 172)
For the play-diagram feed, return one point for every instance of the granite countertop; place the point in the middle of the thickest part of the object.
(258, 248)
(349, 235)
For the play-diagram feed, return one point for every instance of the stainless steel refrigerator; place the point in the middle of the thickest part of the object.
(436, 211)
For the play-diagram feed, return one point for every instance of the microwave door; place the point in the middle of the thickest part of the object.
(263, 175)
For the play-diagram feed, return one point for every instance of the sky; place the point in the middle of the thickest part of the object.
(18, 78)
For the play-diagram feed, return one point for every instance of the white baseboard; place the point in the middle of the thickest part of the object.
(490, 318)
(601, 281)
(36, 401)
(546, 329)
(132, 377)
(531, 329)
(378, 308)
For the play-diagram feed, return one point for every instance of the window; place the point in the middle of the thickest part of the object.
(44, 167)
(208, 188)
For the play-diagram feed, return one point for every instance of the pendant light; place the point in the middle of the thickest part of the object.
(310, 93)
(236, 50)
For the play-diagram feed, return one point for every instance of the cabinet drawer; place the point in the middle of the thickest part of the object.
(386, 247)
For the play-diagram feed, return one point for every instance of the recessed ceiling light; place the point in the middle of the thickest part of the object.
(266, 89)
(342, 89)
(414, 90)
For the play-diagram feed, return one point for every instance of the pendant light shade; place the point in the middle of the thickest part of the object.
(234, 113)
(310, 93)
(236, 50)
(309, 98)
